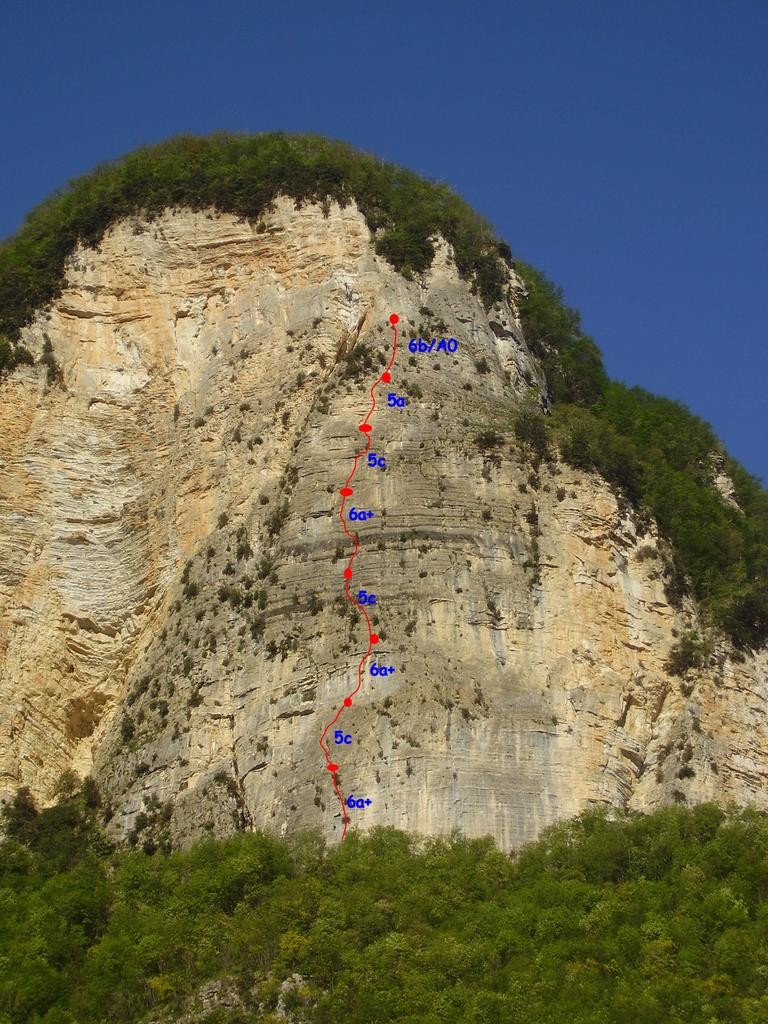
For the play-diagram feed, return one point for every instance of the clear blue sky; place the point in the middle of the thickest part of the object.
(621, 146)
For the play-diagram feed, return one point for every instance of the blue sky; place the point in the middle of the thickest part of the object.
(620, 146)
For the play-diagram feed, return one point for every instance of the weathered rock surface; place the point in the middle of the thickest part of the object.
(171, 556)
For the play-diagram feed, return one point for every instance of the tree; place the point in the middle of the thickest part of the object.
(68, 785)
(19, 817)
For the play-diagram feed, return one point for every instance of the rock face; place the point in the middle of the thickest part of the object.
(171, 558)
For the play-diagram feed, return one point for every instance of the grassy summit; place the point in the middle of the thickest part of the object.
(654, 451)
(243, 174)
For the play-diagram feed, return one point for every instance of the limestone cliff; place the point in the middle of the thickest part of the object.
(170, 558)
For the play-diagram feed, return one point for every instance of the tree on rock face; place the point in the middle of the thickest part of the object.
(68, 785)
(19, 816)
(90, 792)
(12, 355)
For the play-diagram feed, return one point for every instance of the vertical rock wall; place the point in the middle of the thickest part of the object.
(170, 558)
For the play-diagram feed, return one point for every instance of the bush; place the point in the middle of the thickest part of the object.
(67, 785)
(90, 792)
(19, 816)
(12, 355)
(589, 442)
(488, 440)
(572, 361)
(531, 430)
(244, 551)
(689, 652)
(53, 370)
(357, 361)
(277, 520)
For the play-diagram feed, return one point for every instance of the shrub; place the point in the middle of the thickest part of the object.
(47, 359)
(277, 520)
(531, 430)
(12, 354)
(90, 792)
(127, 729)
(689, 652)
(67, 785)
(357, 361)
(232, 594)
(587, 442)
(19, 816)
(572, 362)
(488, 440)
(646, 551)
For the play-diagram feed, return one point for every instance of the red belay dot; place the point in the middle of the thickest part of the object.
(386, 377)
(374, 638)
(366, 428)
(333, 767)
(347, 702)
(346, 491)
(347, 574)
(394, 318)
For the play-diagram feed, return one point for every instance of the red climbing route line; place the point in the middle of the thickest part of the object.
(346, 492)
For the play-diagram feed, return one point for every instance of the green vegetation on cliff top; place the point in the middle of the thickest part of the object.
(659, 457)
(243, 174)
(654, 920)
(653, 450)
